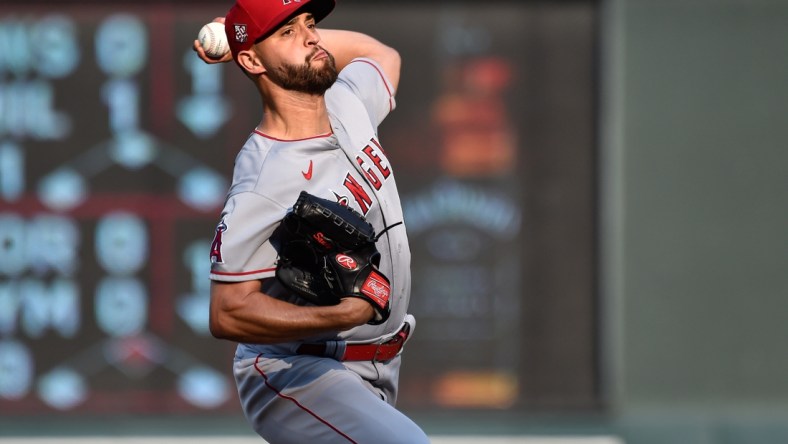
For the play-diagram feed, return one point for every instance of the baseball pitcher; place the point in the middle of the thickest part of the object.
(310, 260)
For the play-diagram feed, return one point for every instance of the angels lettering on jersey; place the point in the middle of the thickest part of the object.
(372, 163)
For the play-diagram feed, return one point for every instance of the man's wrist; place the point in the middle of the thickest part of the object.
(354, 312)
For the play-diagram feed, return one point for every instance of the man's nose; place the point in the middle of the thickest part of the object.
(312, 37)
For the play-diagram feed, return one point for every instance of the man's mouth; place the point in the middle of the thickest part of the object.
(320, 55)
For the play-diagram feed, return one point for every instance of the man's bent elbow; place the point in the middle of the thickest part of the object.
(216, 326)
(219, 320)
(391, 62)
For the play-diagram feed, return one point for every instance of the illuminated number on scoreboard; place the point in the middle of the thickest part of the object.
(13, 258)
(121, 243)
(55, 38)
(122, 99)
(122, 250)
(198, 264)
(122, 51)
(121, 306)
(193, 306)
(121, 45)
(16, 370)
(12, 173)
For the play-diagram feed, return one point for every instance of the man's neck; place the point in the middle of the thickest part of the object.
(293, 116)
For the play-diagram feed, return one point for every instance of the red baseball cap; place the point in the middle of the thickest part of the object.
(250, 21)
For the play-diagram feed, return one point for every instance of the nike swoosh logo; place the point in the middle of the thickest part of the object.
(308, 173)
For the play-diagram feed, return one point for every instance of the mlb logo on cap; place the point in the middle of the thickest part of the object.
(240, 34)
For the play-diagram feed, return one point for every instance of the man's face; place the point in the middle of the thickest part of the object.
(295, 61)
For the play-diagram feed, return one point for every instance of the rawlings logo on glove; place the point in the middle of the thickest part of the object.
(346, 261)
(327, 252)
(377, 288)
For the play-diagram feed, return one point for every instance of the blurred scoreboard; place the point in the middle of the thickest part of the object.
(116, 150)
(114, 161)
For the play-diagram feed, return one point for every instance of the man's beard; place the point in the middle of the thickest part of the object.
(304, 78)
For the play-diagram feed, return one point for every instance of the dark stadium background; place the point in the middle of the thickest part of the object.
(594, 192)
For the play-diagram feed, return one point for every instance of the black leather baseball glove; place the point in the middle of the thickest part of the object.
(327, 252)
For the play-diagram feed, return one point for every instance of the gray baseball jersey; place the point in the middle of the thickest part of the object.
(350, 166)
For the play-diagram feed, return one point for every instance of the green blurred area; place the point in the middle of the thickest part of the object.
(695, 196)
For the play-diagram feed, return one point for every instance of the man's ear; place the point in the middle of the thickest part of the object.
(250, 62)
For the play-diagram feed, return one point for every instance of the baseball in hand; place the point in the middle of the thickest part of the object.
(213, 40)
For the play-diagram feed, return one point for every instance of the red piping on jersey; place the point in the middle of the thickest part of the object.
(264, 270)
(385, 83)
(295, 401)
(293, 140)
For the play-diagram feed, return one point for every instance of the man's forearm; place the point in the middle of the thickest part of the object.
(241, 312)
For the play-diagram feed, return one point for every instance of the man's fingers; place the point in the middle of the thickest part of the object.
(197, 47)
